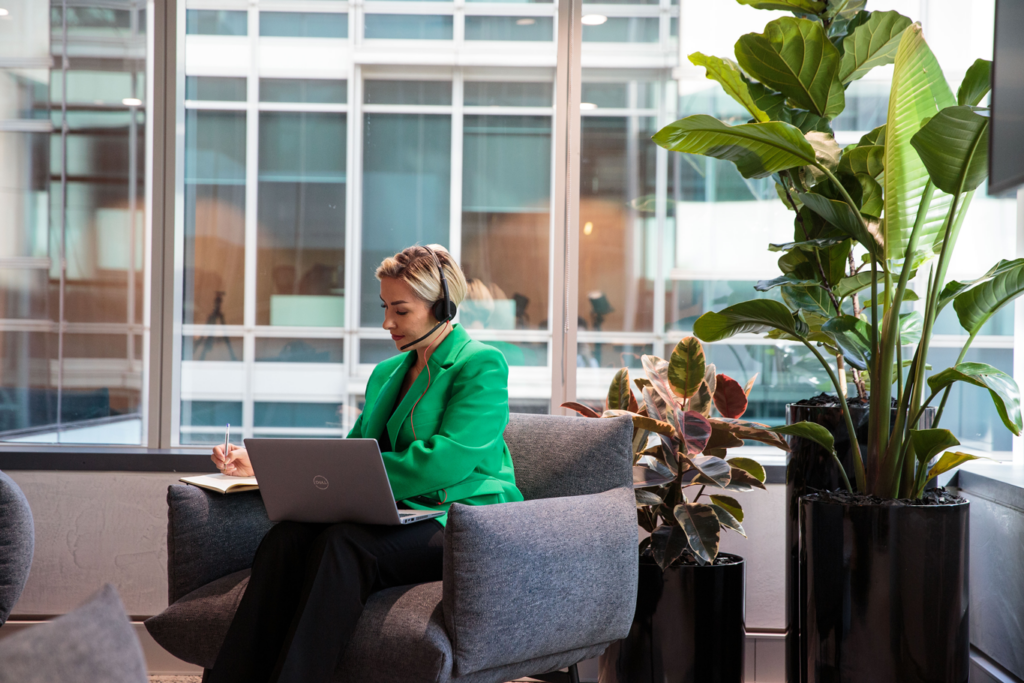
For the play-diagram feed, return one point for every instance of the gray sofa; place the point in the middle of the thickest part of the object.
(17, 543)
(528, 587)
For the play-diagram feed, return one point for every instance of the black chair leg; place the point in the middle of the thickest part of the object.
(574, 674)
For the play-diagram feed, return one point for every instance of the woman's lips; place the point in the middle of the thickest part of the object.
(396, 337)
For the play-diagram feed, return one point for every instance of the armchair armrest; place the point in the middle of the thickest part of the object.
(210, 535)
(526, 580)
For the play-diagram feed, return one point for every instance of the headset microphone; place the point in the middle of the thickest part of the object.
(443, 309)
(417, 341)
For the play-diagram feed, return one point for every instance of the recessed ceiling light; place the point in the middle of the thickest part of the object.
(593, 19)
(588, 228)
(525, 22)
(3, 12)
(131, 102)
(587, 105)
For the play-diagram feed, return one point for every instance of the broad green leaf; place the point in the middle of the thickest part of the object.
(873, 43)
(730, 504)
(826, 150)
(812, 299)
(703, 531)
(773, 103)
(754, 431)
(750, 466)
(756, 316)
(726, 519)
(954, 148)
(871, 203)
(874, 137)
(918, 92)
(976, 84)
(645, 477)
(742, 480)
(853, 337)
(795, 57)
(619, 392)
(728, 75)
(950, 460)
(869, 159)
(843, 217)
(853, 284)
(911, 327)
(806, 121)
(1001, 388)
(808, 6)
(783, 281)
(686, 367)
(701, 401)
(806, 245)
(930, 442)
(667, 544)
(714, 468)
(757, 149)
(954, 288)
(975, 306)
(811, 432)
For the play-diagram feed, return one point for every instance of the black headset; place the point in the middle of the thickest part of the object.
(444, 309)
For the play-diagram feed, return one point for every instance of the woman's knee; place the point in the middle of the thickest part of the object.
(289, 537)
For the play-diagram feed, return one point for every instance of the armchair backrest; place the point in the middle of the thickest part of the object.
(557, 456)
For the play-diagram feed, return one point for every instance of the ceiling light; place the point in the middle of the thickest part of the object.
(588, 228)
(131, 102)
(3, 12)
(587, 105)
(525, 22)
(593, 19)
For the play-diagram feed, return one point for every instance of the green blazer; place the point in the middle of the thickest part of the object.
(458, 454)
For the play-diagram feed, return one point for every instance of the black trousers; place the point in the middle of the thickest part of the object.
(308, 586)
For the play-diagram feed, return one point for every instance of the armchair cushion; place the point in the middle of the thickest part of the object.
(95, 642)
(569, 456)
(17, 542)
(537, 578)
(210, 535)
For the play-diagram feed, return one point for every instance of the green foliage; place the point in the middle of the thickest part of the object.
(729, 77)
(976, 84)
(953, 145)
(1001, 387)
(873, 43)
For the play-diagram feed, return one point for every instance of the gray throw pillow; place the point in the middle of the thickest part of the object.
(95, 642)
(17, 541)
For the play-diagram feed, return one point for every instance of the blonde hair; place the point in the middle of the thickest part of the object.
(417, 267)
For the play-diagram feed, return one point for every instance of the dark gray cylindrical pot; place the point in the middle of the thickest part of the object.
(688, 627)
(884, 590)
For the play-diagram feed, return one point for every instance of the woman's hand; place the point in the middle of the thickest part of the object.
(235, 464)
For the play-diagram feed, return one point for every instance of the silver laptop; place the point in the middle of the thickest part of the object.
(326, 481)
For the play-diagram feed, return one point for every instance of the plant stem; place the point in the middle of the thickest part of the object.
(858, 461)
(817, 254)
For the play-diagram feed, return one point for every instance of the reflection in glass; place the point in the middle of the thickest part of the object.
(506, 191)
(312, 90)
(406, 193)
(407, 92)
(687, 300)
(214, 217)
(510, 28)
(623, 30)
(507, 94)
(290, 350)
(203, 422)
(518, 354)
(216, 88)
(301, 231)
(304, 24)
(296, 415)
(617, 165)
(969, 412)
(26, 376)
(373, 351)
(216, 22)
(408, 26)
(211, 348)
(589, 355)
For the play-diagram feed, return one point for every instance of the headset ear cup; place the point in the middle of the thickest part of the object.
(439, 310)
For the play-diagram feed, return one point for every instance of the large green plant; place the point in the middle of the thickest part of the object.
(868, 218)
(680, 445)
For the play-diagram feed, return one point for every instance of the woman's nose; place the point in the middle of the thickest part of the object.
(388, 322)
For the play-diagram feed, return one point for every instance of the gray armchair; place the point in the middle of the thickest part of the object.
(528, 588)
(17, 543)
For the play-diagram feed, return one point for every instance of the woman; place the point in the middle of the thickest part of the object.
(439, 413)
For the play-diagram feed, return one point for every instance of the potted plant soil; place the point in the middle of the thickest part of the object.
(883, 591)
(689, 623)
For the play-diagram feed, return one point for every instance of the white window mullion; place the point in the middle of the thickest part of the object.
(354, 217)
(252, 143)
(660, 226)
(455, 218)
(1018, 326)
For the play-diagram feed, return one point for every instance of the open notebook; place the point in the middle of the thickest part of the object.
(222, 483)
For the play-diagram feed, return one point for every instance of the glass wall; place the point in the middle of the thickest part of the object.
(73, 266)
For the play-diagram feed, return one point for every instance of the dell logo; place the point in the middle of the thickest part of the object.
(320, 482)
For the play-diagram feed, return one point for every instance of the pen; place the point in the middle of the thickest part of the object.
(227, 433)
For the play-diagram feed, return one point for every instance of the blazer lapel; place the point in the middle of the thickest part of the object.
(378, 413)
(440, 360)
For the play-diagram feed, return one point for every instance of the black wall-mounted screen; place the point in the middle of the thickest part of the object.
(1006, 138)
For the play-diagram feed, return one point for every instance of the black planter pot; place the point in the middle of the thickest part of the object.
(809, 467)
(885, 593)
(688, 627)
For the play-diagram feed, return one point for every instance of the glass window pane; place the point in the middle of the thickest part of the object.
(867, 105)
(281, 414)
(969, 412)
(311, 90)
(214, 217)
(212, 348)
(687, 300)
(608, 95)
(28, 385)
(407, 92)
(25, 194)
(408, 26)
(591, 355)
(301, 230)
(623, 30)
(406, 156)
(215, 88)
(293, 350)
(506, 221)
(502, 94)
(304, 24)
(216, 22)
(521, 354)
(24, 294)
(510, 28)
(373, 351)
(617, 259)
(203, 422)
